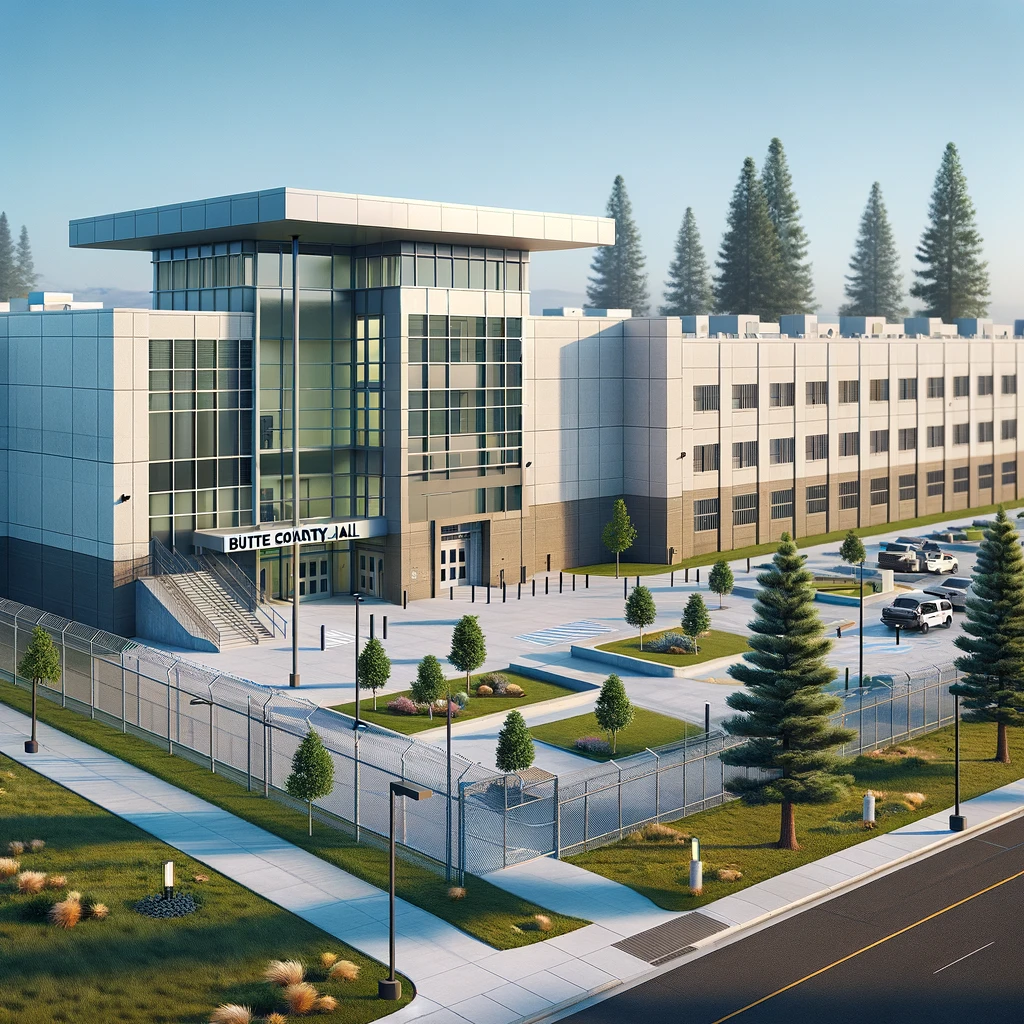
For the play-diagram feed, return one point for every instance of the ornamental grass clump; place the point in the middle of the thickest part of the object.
(328, 960)
(31, 882)
(326, 1004)
(97, 911)
(344, 970)
(276, 1018)
(35, 845)
(542, 922)
(300, 997)
(9, 867)
(593, 745)
(15, 848)
(65, 914)
(456, 892)
(915, 800)
(231, 1013)
(284, 972)
(56, 881)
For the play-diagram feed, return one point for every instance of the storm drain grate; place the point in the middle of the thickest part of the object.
(674, 938)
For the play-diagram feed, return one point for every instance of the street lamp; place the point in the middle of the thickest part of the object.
(522, 499)
(358, 600)
(359, 725)
(202, 700)
(956, 819)
(860, 670)
(391, 987)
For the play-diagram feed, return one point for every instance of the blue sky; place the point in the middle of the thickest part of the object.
(527, 104)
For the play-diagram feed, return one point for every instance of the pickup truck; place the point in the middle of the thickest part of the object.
(918, 610)
(907, 558)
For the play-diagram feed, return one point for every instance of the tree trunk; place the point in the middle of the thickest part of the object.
(616, 565)
(374, 700)
(787, 833)
(310, 803)
(719, 602)
(1002, 744)
(615, 734)
(641, 639)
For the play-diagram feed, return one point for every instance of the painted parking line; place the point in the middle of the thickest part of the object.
(571, 632)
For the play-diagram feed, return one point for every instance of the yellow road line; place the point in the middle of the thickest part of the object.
(864, 949)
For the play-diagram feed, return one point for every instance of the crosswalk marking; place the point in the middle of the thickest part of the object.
(569, 633)
(334, 638)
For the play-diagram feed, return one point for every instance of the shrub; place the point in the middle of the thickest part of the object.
(9, 867)
(56, 881)
(403, 706)
(483, 690)
(300, 997)
(97, 911)
(655, 832)
(456, 892)
(542, 922)
(74, 895)
(665, 643)
(37, 908)
(15, 849)
(65, 914)
(496, 681)
(729, 874)
(200, 878)
(915, 800)
(328, 960)
(231, 1013)
(344, 970)
(514, 690)
(31, 882)
(35, 845)
(284, 972)
(593, 745)
(461, 698)
(326, 1004)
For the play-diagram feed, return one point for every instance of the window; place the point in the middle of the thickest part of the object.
(744, 396)
(936, 387)
(744, 509)
(817, 392)
(908, 439)
(744, 454)
(782, 394)
(986, 475)
(781, 449)
(880, 490)
(985, 385)
(705, 458)
(880, 390)
(849, 443)
(936, 437)
(961, 387)
(1010, 472)
(1009, 429)
(985, 431)
(961, 433)
(849, 391)
(961, 479)
(705, 515)
(908, 486)
(879, 441)
(1010, 384)
(782, 504)
(817, 498)
(817, 447)
(849, 494)
(936, 482)
(908, 389)
(705, 398)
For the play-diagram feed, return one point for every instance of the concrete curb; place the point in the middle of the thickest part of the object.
(637, 666)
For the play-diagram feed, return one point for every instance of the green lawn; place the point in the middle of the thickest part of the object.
(717, 644)
(656, 568)
(487, 912)
(136, 969)
(847, 590)
(478, 706)
(734, 835)
(648, 729)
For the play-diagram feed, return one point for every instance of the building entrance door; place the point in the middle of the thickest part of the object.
(314, 577)
(454, 557)
(371, 573)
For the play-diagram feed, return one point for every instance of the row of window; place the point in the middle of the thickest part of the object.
(706, 397)
(782, 450)
(782, 502)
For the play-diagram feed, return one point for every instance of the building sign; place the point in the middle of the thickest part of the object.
(235, 541)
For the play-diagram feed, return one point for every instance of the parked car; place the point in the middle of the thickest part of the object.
(901, 558)
(940, 562)
(956, 590)
(918, 610)
(921, 543)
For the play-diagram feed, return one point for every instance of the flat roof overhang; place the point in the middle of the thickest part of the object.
(336, 218)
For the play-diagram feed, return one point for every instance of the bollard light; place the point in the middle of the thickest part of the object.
(696, 868)
(168, 879)
(694, 848)
(869, 809)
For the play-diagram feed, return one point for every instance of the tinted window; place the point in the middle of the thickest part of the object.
(904, 602)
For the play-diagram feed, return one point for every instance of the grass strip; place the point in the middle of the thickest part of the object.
(492, 915)
(717, 644)
(648, 729)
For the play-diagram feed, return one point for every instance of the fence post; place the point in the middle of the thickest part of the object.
(657, 784)
(169, 750)
(504, 826)
(92, 683)
(124, 724)
(63, 660)
(462, 833)
(14, 667)
(558, 824)
(619, 787)
(860, 722)
(248, 743)
(586, 811)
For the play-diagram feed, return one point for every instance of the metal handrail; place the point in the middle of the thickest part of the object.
(187, 612)
(245, 590)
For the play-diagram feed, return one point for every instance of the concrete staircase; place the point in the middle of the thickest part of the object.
(235, 624)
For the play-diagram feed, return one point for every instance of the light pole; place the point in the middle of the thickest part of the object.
(448, 792)
(359, 725)
(391, 987)
(293, 678)
(956, 819)
(860, 670)
(522, 499)
(202, 700)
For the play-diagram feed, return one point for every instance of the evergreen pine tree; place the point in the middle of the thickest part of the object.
(312, 774)
(784, 712)
(992, 689)
(640, 610)
(721, 580)
(696, 619)
(874, 285)
(469, 650)
(954, 281)
(619, 280)
(25, 266)
(430, 682)
(613, 709)
(688, 288)
(374, 668)
(619, 534)
(749, 262)
(8, 266)
(515, 745)
(41, 663)
(796, 285)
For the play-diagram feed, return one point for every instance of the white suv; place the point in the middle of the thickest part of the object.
(918, 610)
(941, 563)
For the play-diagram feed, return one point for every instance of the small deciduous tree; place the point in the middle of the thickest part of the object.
(374, 668)
(312, 774)
(515, 744)
(613, 709)
(41, 662)
(640, 610)
(852, 552)
(721, 580)
(469, 649)
(430, 682)
(619, 534)
(696, 619)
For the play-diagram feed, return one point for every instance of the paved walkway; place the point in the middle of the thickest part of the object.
(460, 980)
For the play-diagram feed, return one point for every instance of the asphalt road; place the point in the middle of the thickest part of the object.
(937, 942)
